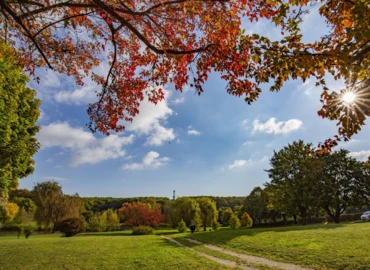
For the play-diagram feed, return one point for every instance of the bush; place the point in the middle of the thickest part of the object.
(142, 230)
(215, 224)
(234, 222)
(72, 226)
(98, 222)
(29, 229)
(246, 221)
(182, 226)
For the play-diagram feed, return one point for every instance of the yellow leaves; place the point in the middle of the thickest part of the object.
(10, 211)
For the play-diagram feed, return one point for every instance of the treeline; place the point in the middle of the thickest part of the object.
(303, 188)
(98, 204)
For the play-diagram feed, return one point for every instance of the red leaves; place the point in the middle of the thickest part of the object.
(138, 213)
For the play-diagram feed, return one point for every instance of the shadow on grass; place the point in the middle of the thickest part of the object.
(225, 235)
(125, 233)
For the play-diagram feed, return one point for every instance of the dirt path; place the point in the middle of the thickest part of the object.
(252, 259)
(227, 263)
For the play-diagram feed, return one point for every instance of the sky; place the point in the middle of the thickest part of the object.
(213, 144)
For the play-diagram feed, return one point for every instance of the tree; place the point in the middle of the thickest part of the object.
(197, 221)
(185, 208)
(25, 203)
(19, 113)
(234, 222)
(140, 214)
(208, 211)
(225, 216)
(112, 220)
(53, 206)
(256, 204)
(98, 222)
(246, 221)
(182, 226)
(345, 183)
(295, 175)
(146, 42)
(9, 212)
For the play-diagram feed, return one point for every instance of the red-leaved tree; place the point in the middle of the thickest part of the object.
(138, 214)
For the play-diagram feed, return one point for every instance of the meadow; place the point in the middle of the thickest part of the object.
(330, 246)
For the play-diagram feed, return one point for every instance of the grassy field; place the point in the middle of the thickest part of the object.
(344, 246)
(98, 251)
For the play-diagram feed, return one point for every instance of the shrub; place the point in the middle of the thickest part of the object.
(246, 221)
(72, 226)
(215, 224)
(182, 226)
(234, 222)
(29, 229)
(142, 230)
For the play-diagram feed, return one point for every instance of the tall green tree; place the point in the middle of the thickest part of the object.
(185, 208)
(345, 183)
(294, 174)
(208, 211)
(18, 115)
(53, 206)
(256, 204)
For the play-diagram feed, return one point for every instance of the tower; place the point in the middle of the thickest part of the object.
(174, 197)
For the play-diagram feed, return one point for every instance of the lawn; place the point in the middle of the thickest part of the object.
(117, 250)
(331, 246)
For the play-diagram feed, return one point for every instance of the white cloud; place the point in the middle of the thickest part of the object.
(193, 132)
(273, 127)
(83, 95)
(82, 145)
(248, 143)
(264, 159)
(149, 122)
(132, 167)
(178, 100)
(361, 155)
(238, 164)
(150, 160)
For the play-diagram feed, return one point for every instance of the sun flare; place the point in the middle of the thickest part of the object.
(349, 97)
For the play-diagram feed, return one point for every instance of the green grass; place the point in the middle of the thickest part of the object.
(112, 250)
(221, 255)
(331, 246)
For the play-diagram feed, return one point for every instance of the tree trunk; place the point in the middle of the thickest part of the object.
(284, 218)
(295, 219)
(335, 216)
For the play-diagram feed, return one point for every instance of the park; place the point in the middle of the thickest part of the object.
(185, 134)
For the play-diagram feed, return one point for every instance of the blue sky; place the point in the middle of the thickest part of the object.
(213, 144)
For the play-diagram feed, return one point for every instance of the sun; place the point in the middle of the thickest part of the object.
(349, 98)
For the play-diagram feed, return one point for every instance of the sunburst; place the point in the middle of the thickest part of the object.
(349, 97)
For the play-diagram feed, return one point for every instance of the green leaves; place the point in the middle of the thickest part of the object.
(18, 115)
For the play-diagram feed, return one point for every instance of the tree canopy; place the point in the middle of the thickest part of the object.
(344, 183)
(294, 176)
(19, 113)
(151, 43)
